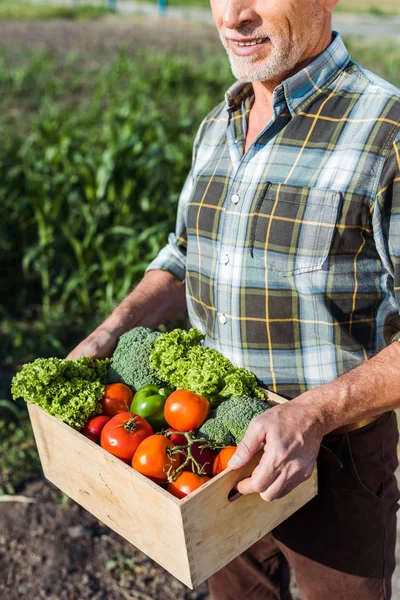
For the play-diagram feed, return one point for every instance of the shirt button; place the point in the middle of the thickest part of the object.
(225, 259)
(235, 198)
(222, 319)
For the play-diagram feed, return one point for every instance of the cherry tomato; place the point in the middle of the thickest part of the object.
(123, 433)
(205, 457)
(117, 399)
(185, 410)
(178, 439)
(153, 460)
(186, 483)
(222, 459)
(94, 426)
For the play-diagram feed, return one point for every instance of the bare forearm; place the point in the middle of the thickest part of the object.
(368, 390)
(157, 298)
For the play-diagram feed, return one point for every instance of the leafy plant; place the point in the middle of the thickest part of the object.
(19, 458)
(89, 195)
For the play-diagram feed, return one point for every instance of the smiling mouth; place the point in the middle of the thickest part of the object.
(250, 42)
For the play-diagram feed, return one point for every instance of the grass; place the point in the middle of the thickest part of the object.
(24, 10)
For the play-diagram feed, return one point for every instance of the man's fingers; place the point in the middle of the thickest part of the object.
(283, 485)
(249, 446)
(261, 478)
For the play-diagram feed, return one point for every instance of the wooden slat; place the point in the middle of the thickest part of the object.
(142, 512)
(218, 530)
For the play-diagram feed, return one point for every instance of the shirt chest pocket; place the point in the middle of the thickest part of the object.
(290, 229)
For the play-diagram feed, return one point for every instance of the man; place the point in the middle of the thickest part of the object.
(287, 254)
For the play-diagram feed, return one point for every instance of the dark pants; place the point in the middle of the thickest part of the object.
(341, 545)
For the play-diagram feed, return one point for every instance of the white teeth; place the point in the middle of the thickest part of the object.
(252, 43)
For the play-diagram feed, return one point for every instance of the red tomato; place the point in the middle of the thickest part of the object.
(94, 426)
(186, 483)
(153, 460)
(178, 439)
(205, 457)
(222, 459)
(185, 410)
(117, 399)
(123, 433)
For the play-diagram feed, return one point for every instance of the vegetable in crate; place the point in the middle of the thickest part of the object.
(186, 483)
(67, 389)
(228, 423)
(122, 435)
(185, 411)
(154, 458)
(94, 427)
(222, 459)
(130, 363)
(149, 402)
(179, 359)
(117, 398)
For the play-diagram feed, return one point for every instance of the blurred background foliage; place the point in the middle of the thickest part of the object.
(95, 144)
(91, 165)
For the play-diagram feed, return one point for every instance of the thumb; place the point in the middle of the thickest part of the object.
(248, 447)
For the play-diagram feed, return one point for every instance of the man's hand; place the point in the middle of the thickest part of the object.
(291, 435)
(99, 344)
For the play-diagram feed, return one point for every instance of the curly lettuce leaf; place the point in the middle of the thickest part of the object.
(67, 389)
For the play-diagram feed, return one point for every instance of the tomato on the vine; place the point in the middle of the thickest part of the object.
(222, 459)
(117, 399)
(123, 433)
(178, 439)
(186, 483)
(205, 458)
(186, 410)
(94, 427)
(154, 459)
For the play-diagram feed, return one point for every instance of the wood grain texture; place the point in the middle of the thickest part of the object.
(191, 538)
(139, 510)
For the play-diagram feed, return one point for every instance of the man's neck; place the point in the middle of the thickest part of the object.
(262, 109)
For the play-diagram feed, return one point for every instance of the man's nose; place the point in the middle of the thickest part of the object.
(237, 12)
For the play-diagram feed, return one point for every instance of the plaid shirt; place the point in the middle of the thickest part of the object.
(291, 252)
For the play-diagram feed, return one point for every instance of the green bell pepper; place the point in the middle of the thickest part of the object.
(149, 402)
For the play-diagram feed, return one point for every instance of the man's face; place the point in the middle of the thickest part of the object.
(266, 39)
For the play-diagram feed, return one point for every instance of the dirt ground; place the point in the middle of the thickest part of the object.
(55, 550)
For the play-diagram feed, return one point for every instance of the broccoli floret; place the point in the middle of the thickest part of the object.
(215, 431)
(230, 420)
(130, 363)
(179, 359)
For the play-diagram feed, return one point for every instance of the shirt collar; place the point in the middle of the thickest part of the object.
(301, 86)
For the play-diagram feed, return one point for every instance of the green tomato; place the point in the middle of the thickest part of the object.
(148, 402)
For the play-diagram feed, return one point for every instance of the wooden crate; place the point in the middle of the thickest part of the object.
(191, 538)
